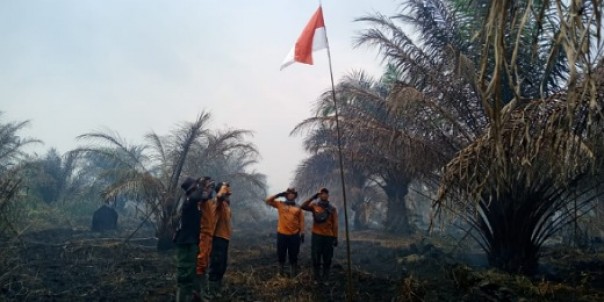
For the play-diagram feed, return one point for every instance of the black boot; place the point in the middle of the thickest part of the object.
(215, 289)
(316, 274)
(282, 270)
(294, 270)
(203, 287)
(325, 276)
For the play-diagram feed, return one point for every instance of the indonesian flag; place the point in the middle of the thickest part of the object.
(313, 38)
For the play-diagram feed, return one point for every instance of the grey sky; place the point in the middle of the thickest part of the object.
(135, 66)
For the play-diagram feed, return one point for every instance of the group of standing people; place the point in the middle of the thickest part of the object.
(290, 231)
(203, 235)
(202, 239)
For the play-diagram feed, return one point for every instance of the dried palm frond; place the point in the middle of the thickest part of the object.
(526, 170)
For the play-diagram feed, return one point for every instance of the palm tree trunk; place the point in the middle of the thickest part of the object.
(397, 216)
(360, 219)
(164, 237)
(509, 233)
(514, 254)
(166, 230)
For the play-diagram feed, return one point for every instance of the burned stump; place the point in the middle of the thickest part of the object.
(103, 219)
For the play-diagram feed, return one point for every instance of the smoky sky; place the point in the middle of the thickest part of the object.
(133, 67)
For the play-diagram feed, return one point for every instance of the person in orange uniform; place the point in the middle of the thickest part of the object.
(220, 241)
(324, 232)
(290, 229)
(208, 226)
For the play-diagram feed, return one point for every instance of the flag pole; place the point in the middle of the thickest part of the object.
(335, 105)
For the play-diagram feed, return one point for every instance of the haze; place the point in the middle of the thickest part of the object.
(134, 66)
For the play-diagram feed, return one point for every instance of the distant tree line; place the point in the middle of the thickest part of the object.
(105, 168)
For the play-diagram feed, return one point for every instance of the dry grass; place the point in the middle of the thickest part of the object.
(65, 265)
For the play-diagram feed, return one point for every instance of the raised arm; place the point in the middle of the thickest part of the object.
(271, 199)
(306, 205)
(208, 188)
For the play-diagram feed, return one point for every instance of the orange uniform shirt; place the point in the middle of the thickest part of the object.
(208, 217)
(223, 221)
(208, 226)
(327, 228)
(291, 217)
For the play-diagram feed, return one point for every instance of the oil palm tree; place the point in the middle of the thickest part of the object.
(52, 177)
(374, 139)
(475, 68)
(551, 175)
(151, 172)
(321, 169)
(13, 161)
(12, 144)
(228, 156)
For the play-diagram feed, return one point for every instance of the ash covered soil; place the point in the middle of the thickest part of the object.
(79, 265)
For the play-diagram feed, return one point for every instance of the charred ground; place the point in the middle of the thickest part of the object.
(79, 265)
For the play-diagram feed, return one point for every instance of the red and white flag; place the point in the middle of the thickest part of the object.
(313, 38)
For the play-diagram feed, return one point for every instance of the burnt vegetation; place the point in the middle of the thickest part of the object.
(473, 170)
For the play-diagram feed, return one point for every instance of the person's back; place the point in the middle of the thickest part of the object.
(186, 237)
(188, 230)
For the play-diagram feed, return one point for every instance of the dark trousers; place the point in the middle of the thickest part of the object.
(288, 245)
(321, 252)
(186, 255)
(218, 258)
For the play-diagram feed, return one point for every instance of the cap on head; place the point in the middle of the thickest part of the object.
(188, 184)
(324, 190)
(206, 180)
(227, 187)
(291, 191)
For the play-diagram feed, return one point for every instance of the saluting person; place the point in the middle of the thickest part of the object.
(324, 233)
(290, 229)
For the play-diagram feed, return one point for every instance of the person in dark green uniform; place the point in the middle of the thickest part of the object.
(186, 237)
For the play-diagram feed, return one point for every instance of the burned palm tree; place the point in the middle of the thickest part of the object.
(515, 184)
(151, 172)
(547, 180)
(469, 76)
